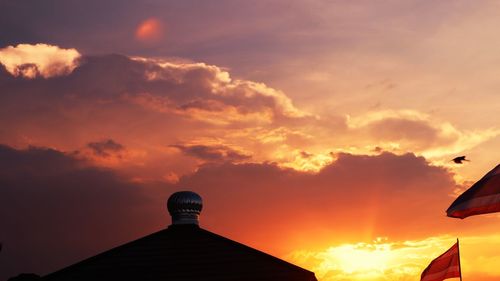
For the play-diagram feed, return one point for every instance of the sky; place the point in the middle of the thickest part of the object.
(318, 131)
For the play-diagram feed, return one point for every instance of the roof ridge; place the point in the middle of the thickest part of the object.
(257, 251)
(102, 254)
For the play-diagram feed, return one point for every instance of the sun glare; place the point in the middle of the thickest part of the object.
(361, 257)
(375, 261)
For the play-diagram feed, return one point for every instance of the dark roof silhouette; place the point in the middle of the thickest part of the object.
(25, 277)
(183, 252)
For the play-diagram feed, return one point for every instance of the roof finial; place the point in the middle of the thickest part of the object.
(185, 207)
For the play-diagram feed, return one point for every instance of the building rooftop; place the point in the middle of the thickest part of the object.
(183, 252)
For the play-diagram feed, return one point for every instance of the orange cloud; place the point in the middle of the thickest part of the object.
(119, 97)
(44, 60)
(411, 130)
(222, 92)
(108, 153)
(212, 153)
(150, 30)
(352, 198)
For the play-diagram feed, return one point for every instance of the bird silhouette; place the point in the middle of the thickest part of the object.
(459, 159)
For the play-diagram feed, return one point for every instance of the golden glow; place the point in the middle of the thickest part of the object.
(375, 261)
(383, 260)
(303, 160)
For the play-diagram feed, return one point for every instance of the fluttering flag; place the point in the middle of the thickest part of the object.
(443, 267)
(483, 197)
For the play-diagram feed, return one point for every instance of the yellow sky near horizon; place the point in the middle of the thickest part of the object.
(383, 259)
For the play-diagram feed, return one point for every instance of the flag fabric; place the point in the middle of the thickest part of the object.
(443, 267)
(481, 198)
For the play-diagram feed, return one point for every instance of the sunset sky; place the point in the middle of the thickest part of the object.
(319, 131)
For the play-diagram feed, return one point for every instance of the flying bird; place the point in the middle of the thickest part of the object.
(459, 159)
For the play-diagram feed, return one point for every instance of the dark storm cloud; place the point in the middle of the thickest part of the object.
(214, 153)
(356, 197)
(55, 209)
(105, 148)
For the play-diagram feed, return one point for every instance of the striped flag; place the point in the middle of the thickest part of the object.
(443, 267)
(481, 198)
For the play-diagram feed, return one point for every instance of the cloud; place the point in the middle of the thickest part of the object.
(198, 87)
(193, 90)
(105, 148)
(354, 198)
(31, 61)
(410, 130)
(175, 101)
(56, 209)
(214, 153)
(162, 101)
(110, 154)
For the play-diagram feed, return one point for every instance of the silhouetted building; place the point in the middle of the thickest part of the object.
(183, 252)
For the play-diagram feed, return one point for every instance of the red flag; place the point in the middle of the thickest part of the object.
(481, 198)
(443, 267)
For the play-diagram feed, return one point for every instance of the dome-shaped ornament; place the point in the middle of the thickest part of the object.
(185, 207)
